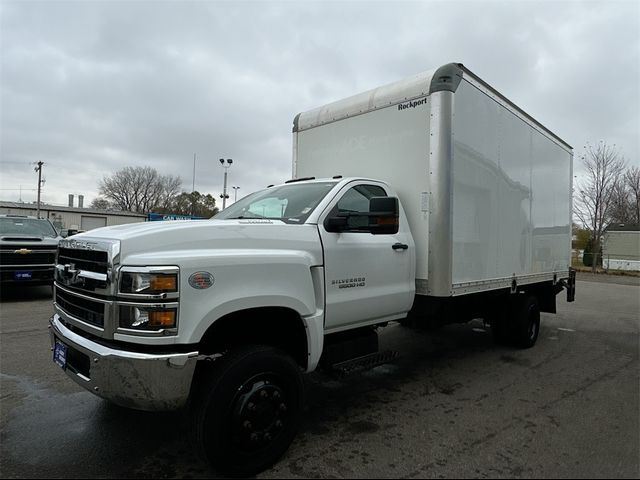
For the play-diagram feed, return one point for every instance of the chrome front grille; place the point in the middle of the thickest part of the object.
(86, 290)
(85, 284)
(81, 307)
(89, 260)
(87, 265)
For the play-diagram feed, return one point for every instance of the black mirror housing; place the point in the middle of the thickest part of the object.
(384, 206)
(336, 224)
(384, 218)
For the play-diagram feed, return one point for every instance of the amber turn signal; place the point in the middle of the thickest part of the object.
(162, 318)
(164, 283)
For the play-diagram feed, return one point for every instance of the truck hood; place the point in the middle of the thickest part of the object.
(151, 243)
(28, 240)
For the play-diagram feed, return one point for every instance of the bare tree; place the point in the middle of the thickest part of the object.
(100, 203)
(632, 182)
(620, 208)
(596, 194)
(193, 203)
(626, 198)
(140, 189)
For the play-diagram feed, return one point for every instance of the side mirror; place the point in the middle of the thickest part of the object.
(336, 224)
(384, 218)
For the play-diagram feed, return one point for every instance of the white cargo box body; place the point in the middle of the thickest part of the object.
(486, 188)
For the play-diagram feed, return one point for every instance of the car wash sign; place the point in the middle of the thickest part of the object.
(155, 217)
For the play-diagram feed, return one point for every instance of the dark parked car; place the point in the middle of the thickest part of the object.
(27, 250)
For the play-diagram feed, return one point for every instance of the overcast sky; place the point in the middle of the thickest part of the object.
(91, 87)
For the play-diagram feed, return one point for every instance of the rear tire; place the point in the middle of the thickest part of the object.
(518, 322)
(247, 410)
(527, 322)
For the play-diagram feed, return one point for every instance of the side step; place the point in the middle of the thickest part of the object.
(363, 363)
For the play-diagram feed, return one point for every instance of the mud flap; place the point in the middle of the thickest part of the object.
(571, 286)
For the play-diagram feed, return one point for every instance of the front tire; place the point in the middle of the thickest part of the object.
(248, 411)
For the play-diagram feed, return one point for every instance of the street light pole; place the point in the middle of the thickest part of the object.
(235, 194)
(39, 170)
(226, 166)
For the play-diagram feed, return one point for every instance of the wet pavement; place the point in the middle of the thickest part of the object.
(454, 405)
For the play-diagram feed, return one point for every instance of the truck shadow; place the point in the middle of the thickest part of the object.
(426, 357)
(433, 364)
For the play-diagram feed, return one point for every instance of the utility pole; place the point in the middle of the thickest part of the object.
(224, 195)
(39, 170)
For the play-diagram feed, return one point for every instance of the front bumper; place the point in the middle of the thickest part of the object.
(130, 379)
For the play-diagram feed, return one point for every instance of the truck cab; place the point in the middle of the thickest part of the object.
(357, 291)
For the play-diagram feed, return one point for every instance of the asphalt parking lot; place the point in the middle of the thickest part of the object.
(454, 405)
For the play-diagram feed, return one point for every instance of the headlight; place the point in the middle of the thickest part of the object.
(152, 318)
(151, 283)
(148, 300)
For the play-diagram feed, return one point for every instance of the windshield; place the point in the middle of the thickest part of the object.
(27, 227)
(291, 203)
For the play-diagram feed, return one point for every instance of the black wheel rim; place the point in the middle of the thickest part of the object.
(260, 412)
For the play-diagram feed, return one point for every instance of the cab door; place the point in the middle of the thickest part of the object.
(369, 278)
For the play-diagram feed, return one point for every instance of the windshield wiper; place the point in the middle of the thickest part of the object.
(242, 217)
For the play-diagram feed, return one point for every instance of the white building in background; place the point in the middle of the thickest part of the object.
(73, 217)
(621, 247)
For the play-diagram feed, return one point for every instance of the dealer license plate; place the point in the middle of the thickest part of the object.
(60, 354)
(23, 275)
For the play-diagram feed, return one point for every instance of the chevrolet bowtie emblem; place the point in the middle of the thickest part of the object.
(23, 251)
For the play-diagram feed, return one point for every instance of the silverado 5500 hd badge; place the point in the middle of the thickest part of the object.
(349, 282)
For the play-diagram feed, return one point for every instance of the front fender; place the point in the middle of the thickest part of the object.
(309, 310)
(262, 279)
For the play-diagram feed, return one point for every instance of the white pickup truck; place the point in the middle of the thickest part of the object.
(437, 199)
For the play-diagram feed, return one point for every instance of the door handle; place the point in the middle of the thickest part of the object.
(400, 246)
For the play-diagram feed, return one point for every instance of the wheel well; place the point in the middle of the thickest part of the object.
(274, 326)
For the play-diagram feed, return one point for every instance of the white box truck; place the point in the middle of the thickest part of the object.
(434, 198)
